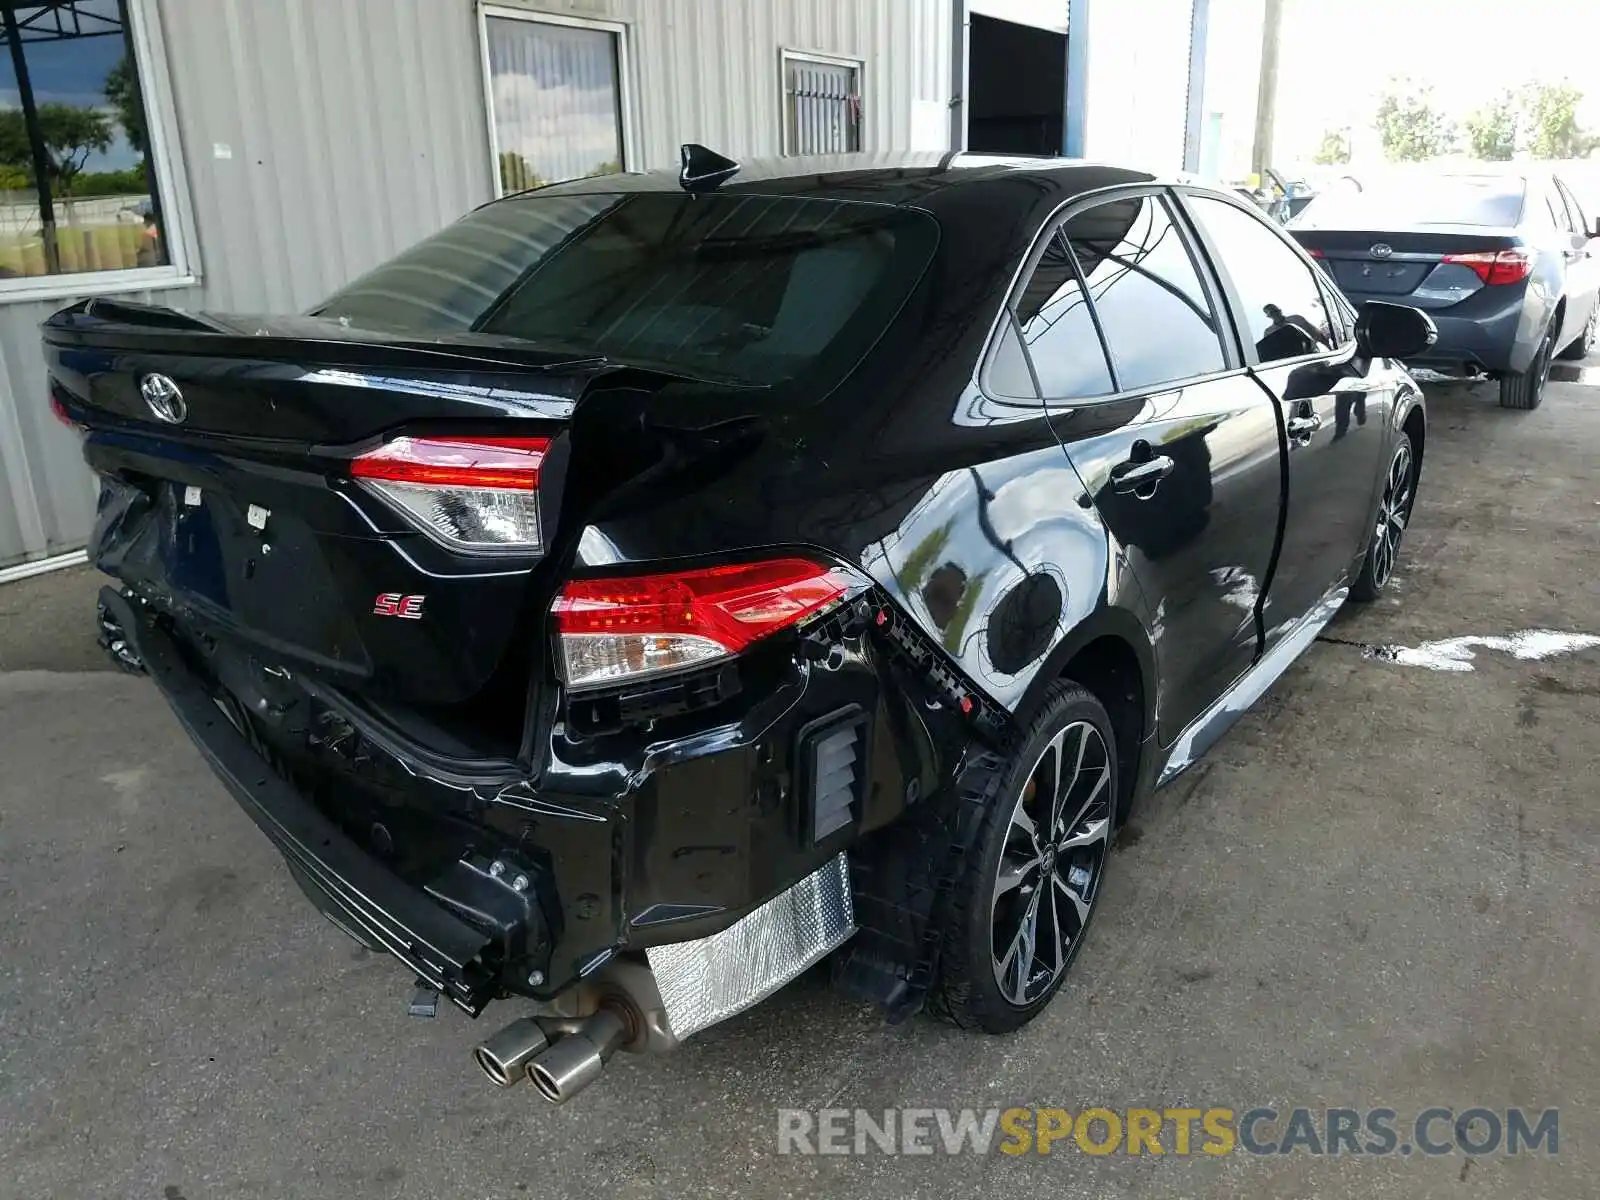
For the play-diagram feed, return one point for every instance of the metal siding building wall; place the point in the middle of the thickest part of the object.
(357, 127)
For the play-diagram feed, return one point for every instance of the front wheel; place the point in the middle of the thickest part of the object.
(1394, 514)
(1019, 914)
(1525, 389)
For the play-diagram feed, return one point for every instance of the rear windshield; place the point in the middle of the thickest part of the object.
(1421, 200)
(756, 289)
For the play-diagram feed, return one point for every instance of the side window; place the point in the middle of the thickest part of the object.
(1575, 213)
(1159, 325)
(1059, 333)
(1283, 309)
(1009, 375)
(1340, 322)
(1558, 211)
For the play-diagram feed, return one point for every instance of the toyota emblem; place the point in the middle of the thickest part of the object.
(163, 399)
(1381, 250)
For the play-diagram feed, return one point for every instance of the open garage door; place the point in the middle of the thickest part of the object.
(1017, 84)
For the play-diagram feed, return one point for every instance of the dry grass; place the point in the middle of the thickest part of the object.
(108, 247)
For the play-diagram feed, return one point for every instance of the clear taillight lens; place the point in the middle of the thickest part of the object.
(469, 493)
(612, 630)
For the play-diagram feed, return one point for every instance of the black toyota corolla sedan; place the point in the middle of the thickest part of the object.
(1505, 264)
(650, 586)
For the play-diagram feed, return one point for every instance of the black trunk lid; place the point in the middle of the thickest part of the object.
(242, 517)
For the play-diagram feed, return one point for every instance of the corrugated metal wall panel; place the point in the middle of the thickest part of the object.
(357, 127)
(46, 496)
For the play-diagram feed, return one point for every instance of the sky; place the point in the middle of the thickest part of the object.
(1336, 56)
(72, 72)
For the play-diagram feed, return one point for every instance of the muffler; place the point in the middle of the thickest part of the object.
(504, 1058)
(575, 1061)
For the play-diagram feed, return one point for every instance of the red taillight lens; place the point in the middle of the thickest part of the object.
(1496, 266)
(617, 629)
(511, 463)
(60, 411)
(470, 493)
(1314, 252)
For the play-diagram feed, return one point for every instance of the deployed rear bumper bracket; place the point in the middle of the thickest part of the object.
(353, 889)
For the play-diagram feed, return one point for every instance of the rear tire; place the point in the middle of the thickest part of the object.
(1037, 864)
(1394, 514)
(1584, 342)
(1525, 389)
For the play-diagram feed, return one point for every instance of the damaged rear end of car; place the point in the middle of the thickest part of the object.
(362, 554)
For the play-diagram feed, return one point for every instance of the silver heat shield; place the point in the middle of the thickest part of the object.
(708, 980)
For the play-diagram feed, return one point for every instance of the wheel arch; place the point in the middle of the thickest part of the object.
(1415, 426)
(1412, 419)
(1109, 654)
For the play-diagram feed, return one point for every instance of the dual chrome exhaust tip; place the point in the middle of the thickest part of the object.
(559, 1069)
(504, 1058)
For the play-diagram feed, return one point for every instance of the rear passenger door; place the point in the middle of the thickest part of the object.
(1177, 447)
(1583, 268)
(1336, 420)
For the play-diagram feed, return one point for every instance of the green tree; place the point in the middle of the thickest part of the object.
(1492, 129)
(1334, 150)
(962, 617)
(70, 135)
(919, 563)
(1551, 113)
(132, 182)
(1409, 125)
(122, 93)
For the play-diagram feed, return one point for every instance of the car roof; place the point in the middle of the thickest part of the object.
(920, 179)
(1413, 174)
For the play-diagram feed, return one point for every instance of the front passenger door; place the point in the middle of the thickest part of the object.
(1336, 420)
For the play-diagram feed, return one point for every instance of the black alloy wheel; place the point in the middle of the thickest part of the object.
(1394, 514)
(1035, 874)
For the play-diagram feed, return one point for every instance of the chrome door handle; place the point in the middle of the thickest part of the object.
(1135, 476)
(1301, 429)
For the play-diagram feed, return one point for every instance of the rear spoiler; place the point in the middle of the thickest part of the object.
(314, 341)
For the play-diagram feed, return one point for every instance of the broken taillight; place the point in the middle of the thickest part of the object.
(617, 629)
(477, 493)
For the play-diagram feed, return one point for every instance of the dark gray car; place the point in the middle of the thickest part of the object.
(1505, 265)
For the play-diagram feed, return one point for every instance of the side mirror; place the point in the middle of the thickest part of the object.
(1393, 330)
(1594, 228)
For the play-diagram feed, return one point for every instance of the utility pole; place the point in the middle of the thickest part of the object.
(1267, 93)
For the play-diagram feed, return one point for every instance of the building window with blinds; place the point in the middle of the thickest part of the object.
(821, 104)
(78, 178)
(557, 96)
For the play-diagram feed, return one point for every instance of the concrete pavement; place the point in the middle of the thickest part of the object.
(1379, 890)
